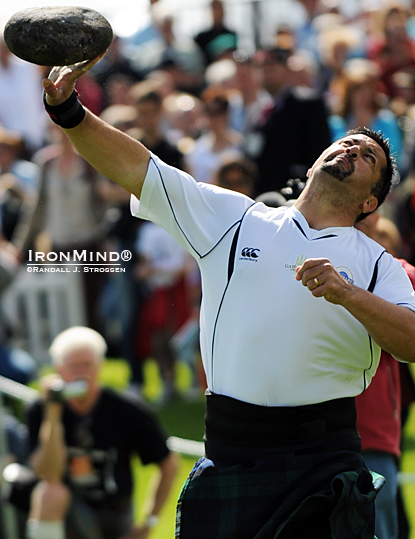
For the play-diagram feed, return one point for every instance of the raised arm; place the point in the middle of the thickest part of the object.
(113, 153)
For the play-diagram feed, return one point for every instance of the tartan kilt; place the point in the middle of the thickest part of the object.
(320, 495)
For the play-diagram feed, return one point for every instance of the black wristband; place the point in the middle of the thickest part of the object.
(68, 114)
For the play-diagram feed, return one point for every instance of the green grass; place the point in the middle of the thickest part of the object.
(185, 419)
(408, 466)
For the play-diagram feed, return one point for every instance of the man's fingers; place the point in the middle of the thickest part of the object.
(50, 89)
(82, 67)
(73, 71)
(54, 95)
(311, 268)
(311, 277)
(312, 283)
(90, 63)
(61, 80)
(309, 264)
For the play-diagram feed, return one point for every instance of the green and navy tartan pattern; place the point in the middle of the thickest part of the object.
(326, 495)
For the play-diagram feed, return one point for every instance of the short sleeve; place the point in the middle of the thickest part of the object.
(393, 283)
(196, 214)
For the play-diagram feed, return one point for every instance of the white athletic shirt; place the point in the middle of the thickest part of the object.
(265, 339)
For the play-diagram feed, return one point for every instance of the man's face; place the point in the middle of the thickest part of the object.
(80, 364)
(356, 161)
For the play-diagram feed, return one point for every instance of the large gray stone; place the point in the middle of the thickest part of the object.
(57, 36)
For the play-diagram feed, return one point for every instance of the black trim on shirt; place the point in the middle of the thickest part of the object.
(231, 262)
(300, 227)
(181, 229)
(375, 273)
(313, 239)
(172, 210)
(370, 289)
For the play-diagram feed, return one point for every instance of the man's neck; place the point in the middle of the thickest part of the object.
(319, 217)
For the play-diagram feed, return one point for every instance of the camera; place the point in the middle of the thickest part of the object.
(61, 391)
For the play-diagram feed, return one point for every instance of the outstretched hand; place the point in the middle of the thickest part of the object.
(61, 81)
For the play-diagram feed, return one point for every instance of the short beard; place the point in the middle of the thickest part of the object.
(336, 171)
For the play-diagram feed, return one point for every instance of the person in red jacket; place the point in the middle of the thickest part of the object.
(379, 406)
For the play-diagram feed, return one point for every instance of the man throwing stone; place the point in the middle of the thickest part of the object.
(296, 307)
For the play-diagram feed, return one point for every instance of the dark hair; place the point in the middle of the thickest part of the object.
(382, 187)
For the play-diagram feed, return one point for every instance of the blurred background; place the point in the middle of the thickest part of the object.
(201, 84)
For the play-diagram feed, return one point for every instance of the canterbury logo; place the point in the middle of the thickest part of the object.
(250, 252)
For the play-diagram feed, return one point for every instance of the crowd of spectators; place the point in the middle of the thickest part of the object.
(249, 120)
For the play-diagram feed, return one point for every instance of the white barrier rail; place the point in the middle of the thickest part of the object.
(18, 391)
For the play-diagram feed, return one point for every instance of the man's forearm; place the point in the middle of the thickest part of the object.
(391, 326)
(110, 151)
(49, 459)
(168, 470)
(113, 153)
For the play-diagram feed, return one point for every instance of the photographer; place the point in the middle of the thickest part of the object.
(82, 437)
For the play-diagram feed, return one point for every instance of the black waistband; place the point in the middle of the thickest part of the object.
(238, 431)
